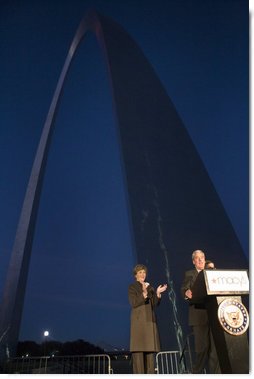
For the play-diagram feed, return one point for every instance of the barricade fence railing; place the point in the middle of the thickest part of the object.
(167, 362)
(175, 361)
(72, 364)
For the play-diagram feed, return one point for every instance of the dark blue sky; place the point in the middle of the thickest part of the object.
(82, 257)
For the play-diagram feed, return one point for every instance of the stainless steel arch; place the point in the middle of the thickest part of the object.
(14, 291)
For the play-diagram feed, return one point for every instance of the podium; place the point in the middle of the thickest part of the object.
(220, 292)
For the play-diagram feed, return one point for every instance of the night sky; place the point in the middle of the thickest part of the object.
(82, 257)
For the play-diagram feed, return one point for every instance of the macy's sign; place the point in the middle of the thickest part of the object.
(226, 281)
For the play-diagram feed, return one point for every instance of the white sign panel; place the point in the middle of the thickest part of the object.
(226, 282)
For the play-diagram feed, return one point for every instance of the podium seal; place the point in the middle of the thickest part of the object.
(233, 316)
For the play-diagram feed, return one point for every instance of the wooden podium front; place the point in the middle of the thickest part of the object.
(220, 291)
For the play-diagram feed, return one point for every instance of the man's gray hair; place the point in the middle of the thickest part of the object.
(195, 252)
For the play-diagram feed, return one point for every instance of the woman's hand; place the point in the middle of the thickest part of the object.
(144, 289)
(161, 289)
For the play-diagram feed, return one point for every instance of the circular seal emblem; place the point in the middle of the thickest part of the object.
(233, 316)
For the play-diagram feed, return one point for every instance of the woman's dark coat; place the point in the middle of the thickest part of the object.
(144, 333)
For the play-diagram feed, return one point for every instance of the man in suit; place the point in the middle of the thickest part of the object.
(198, 320)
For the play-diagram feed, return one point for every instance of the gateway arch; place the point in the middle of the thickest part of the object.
(173, 206)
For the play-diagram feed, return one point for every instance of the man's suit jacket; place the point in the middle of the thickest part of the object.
(197, 312)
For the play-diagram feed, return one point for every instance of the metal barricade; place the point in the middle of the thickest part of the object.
(76, 364)
(175, 361)
(168, 362)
